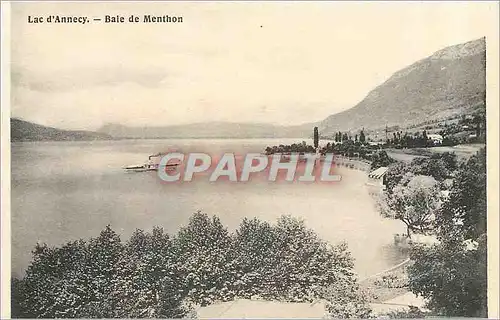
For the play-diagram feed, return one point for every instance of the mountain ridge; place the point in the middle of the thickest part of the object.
(446, 84)
(450, 81)
(215, 129)
(21, 130)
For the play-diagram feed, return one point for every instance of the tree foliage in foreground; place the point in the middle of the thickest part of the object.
(452, 278)
(154, 275)
(101, 278)
(464, 215)
(345, 300)
(415, 201)
(452, 275)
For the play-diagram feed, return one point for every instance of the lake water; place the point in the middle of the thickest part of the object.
(64, 191)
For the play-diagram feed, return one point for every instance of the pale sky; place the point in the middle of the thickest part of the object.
(307, 61)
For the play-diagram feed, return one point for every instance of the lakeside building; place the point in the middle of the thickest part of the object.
(376, 143)
(376, 180)
(377, 177)
(437, 139)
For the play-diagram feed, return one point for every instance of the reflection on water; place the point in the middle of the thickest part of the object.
(63, 191)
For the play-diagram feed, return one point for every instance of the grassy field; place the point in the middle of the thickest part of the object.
(463, 151)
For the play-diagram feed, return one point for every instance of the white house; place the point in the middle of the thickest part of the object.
(437, 139)
(375, 143)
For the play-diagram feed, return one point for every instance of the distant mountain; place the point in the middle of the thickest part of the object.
(450, 82)
(21, 130)
(209, 130)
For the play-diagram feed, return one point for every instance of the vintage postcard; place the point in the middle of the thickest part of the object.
(250, 159)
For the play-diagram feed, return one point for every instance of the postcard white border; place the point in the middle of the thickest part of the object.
(492, 99)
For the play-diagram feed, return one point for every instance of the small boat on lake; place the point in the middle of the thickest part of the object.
(140, 168)
(151, 165)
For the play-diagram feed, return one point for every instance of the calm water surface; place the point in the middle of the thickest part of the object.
(64, 191)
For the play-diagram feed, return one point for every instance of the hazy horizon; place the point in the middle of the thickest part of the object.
(179, 124)
(282, 63)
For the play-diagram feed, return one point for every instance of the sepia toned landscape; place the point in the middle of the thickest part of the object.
(97, 234)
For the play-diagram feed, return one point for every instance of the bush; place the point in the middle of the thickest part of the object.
(411, 313)
(451, 141)
(345, 300)
(381, 159)
(392, 281)
(440, 166)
